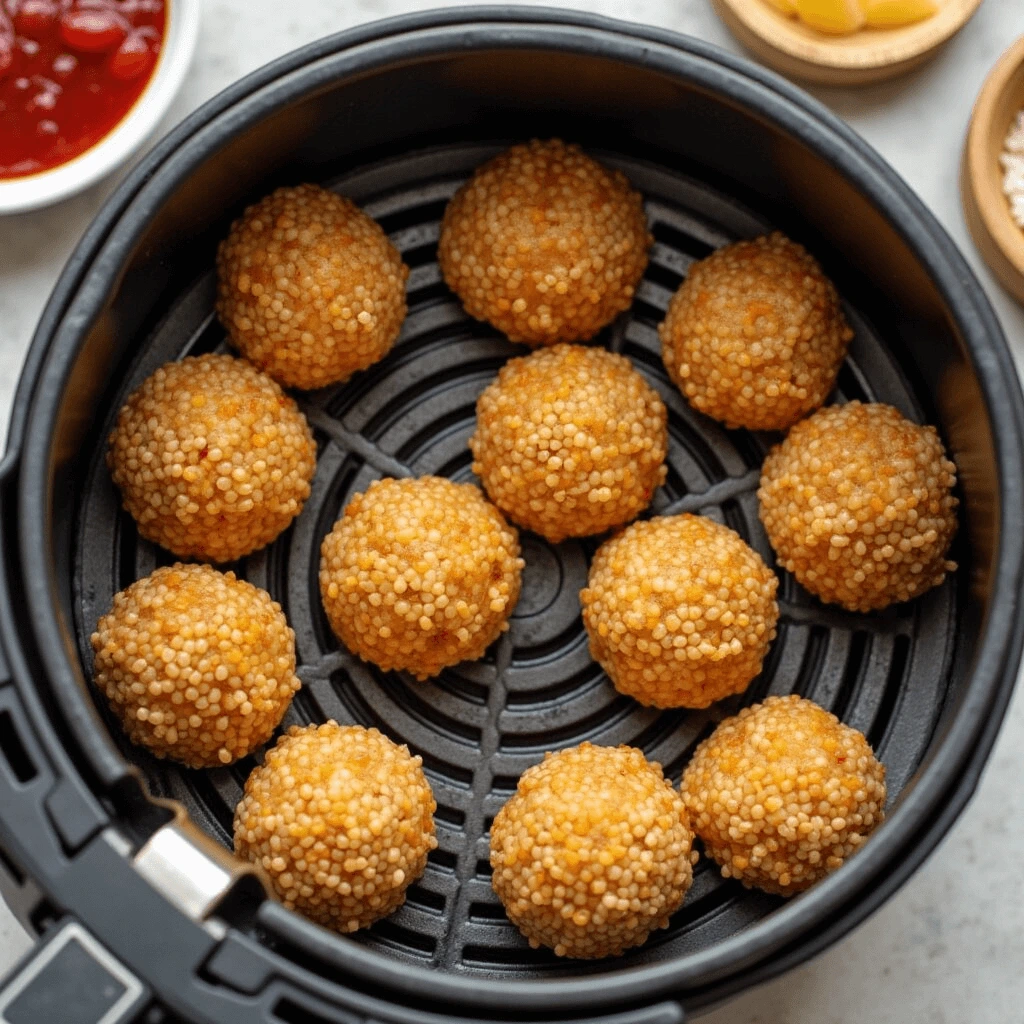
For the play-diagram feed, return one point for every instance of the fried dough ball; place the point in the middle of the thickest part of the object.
(212, 458)
(570, 441)
(545, 243)
(341, 820)
(198, 665)
(420, 574)
(593, 852)
(783, 793)
(680, 611)
(857, 503)
(755, 335)
(309, 287)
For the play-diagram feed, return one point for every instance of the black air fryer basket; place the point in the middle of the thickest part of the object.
(122, 862)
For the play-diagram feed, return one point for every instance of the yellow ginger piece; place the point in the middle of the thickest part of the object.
(893, 13)
(788, 7)
(838, 17)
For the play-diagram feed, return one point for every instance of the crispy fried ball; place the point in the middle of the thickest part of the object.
(680, 611)
(593, 852)
(212, 458)
(783, 793)
(755, 335)
(420, 574)
(310, 288)
(545, 243)
(198, 665)
(341, 820)
(858, 505)
(570, 441)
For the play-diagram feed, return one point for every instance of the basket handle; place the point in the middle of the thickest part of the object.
(70, 975)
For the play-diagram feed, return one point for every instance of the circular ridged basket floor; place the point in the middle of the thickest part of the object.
(479, 725)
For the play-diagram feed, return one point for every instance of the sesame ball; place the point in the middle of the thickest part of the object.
(212, 458)
(309, 287)
(680, 611)
(755, 335)
(341, 820)
(419, 574)
(545, 243)
(857, 503)
(198, 665)
(593, 852)
(783, 793)
(570, 441)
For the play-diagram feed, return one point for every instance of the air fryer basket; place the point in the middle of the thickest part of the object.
(396, 116)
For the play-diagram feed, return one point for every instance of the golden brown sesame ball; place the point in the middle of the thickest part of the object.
(593, 852)
(680, 611)
(212, 458)
(783, 793)
(545, 243)
(341, 820)
(420, 574)
(310, 288)
(198, 665)
(570, 441)
(857, 503)
(755, 335)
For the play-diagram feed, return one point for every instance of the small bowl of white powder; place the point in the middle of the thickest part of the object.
(992, 178)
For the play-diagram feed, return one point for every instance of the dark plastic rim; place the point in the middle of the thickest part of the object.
(949, 777)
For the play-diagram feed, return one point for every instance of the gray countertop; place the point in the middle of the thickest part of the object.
(947, 949)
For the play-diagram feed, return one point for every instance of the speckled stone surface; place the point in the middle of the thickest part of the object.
(947, 948)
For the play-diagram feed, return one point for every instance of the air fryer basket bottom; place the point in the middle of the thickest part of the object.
(481, 724)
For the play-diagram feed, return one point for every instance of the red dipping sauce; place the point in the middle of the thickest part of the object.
(70, 70)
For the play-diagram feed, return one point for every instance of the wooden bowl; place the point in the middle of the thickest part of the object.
(987, 211)
(870, 55)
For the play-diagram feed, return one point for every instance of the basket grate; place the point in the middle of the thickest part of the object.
(479, 725)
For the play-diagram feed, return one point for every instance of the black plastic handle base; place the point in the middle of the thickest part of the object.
(70, 978)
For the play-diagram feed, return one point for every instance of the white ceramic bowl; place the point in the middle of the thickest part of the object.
(20, 194)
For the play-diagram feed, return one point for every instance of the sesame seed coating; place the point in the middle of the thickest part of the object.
(570, 441)
(593, 852)
(420, 574)
(857, 503)
(680, 611)
(212, 458)
(198, 665)
(341, 820)
(755, 335)
(783, 793)
(544, 243)
(309, 287)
